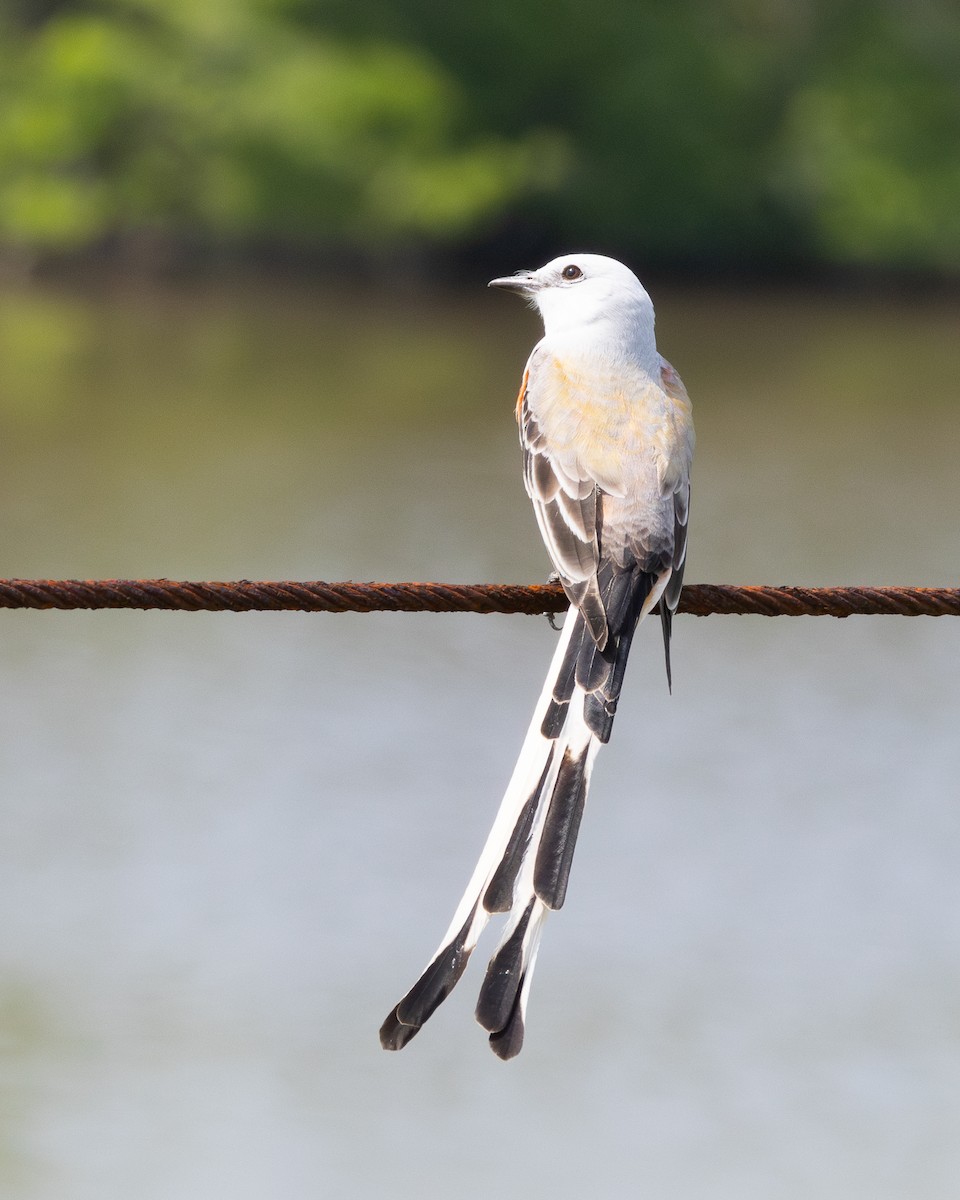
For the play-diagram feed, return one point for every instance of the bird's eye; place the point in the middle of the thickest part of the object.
(572, 272)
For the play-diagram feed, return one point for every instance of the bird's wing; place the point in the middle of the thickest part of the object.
(677, 479)
(564, 498)
(566, 503)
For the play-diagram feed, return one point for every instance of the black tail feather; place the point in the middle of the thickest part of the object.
(559, 838)
(499, 894)
(563, 685)
(428, 993)
(666, 622)
(507, 1042)
(501, 985)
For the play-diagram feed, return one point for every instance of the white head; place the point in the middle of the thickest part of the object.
(588, 296)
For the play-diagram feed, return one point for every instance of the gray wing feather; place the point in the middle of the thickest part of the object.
(565, 505)
(681, 508)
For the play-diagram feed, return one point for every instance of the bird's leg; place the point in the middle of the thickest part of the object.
(553, 577)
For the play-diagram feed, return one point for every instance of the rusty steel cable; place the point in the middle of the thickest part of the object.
(698, 599)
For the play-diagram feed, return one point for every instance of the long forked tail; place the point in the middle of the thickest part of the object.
(525, 863)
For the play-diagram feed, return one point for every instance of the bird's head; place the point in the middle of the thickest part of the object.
(587, 294)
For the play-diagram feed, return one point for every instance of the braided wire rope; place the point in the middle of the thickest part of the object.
(697, 599)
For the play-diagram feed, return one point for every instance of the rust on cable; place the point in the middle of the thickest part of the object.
(244, 595)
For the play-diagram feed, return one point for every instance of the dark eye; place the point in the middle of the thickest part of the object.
(572, 272)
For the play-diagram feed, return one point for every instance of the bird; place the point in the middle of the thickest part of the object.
(606, 431)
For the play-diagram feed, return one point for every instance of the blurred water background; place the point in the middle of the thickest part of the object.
(230, 841)
(244, 334)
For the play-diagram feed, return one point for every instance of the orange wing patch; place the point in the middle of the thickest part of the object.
(522, 393)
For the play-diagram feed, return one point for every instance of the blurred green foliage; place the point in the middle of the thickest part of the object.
(764, 132)
(225, 121)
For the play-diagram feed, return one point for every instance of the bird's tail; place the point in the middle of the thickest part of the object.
(525, 864)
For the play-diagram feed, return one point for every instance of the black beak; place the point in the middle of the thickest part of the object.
(523, 282)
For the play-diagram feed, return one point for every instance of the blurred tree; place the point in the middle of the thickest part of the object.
(759, 132)
(870, 144)
(743, 132)
(222, 122)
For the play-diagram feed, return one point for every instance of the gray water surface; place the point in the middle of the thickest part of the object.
(229, 842)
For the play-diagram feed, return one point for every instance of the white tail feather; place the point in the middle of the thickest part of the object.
(533, 757)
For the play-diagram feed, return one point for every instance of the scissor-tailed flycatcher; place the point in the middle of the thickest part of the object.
(607, 436)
